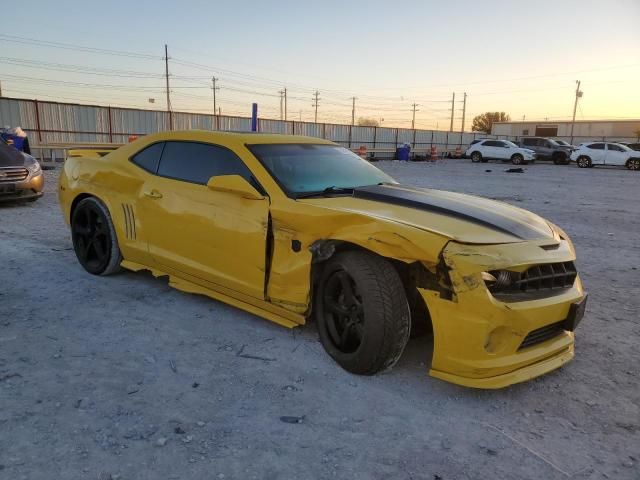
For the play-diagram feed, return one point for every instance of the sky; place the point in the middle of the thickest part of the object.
(520, 57)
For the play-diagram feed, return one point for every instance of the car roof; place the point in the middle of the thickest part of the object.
(251, 138)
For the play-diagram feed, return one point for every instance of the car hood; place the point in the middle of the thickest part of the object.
(461, 217)
(10, 156)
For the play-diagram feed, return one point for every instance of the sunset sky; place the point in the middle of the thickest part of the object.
(519, 57)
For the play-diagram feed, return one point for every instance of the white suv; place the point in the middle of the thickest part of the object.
(605, 153)
(485, 150)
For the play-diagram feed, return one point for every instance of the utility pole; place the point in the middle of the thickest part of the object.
(575, 107)
(166, 73)
(215, 109)
(281, 92)
(413, 120)
(315, 104)
(453, 102)
(464, 110)
(285, 104)
(353, 111)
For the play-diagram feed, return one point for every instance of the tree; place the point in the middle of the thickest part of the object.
(368, 122)
(484, 121)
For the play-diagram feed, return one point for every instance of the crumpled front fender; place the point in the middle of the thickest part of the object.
(477, 337)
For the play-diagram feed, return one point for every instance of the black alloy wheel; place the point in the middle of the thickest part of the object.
(343, 312)
(94, 238)
(362, 312)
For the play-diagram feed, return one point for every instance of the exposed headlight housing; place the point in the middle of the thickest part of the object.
(500, 280)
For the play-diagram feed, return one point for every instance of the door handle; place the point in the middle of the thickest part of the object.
(153, 194)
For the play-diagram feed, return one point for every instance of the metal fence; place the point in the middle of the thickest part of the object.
(52, 122)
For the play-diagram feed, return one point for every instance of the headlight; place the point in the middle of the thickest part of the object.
(32, 165)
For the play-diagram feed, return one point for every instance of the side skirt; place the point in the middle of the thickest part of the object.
(257, 307)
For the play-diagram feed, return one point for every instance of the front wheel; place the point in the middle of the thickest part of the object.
(633, 164)
(560, 159)
(584, 162)
(94, 238)
(517, 159)
(362, 312)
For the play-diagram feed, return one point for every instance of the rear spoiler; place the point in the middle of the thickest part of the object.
(91, 152)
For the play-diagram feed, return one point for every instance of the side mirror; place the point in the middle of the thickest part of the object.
(234, 184)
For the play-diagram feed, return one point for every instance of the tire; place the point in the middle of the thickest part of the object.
(560, 159)
(362, 312)
(476, 157)
(94, 238)
(633, 164)
(517, 159)
(584, 162)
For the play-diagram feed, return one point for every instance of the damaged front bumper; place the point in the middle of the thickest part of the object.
(479, 341)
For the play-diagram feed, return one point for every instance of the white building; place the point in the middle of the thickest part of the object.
(584, 130)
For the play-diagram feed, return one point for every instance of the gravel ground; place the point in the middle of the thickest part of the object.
(125, 378)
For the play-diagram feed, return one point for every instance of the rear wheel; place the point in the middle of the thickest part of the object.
(94, 238)
(633, 164)
(584, 162)
(362, 312)
(476, 157)
(517, 159)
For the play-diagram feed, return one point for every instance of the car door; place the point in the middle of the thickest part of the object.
(546, 148)
(597, 152)
(615, 155)
(503, 150)
(218, 237)
(530, 143)
(489, 149)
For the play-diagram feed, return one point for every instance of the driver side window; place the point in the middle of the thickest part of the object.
(198, 162)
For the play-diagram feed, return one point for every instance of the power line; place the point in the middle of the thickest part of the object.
(70, 46)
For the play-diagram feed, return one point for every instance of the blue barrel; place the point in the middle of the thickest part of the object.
(402, 153)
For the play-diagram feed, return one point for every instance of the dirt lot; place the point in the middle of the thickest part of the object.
(125, 378)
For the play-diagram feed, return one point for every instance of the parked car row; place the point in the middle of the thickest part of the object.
(560, 152)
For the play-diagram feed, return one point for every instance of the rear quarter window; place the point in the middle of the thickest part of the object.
(149, 157)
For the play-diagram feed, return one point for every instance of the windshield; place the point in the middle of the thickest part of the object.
(305, 168)
(511, 144)
(562, 142)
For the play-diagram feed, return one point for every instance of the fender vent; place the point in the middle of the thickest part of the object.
(129, 221)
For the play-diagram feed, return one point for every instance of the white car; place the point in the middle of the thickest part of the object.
(486, 150)
(605, 153)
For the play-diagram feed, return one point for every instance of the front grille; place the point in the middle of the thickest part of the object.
(542, 334)
(13, 174)
(547, 276)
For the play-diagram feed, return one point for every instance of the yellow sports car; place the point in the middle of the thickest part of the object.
(295, 228)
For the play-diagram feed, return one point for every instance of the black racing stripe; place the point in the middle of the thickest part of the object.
(422, 200)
